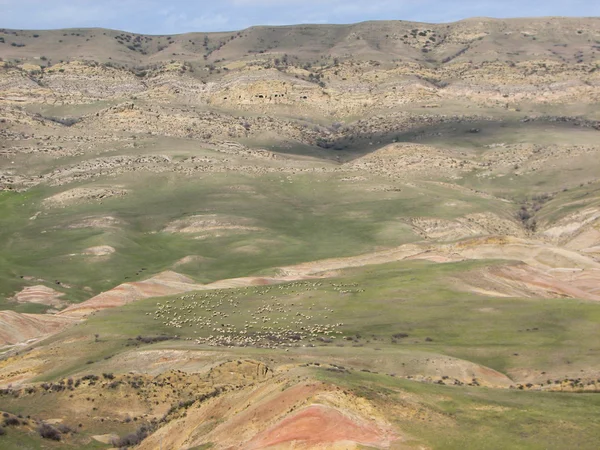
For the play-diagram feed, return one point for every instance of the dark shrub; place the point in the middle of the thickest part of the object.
(91, 377)
(64, 429)
(49, 432)
(399, 335)
(66, 121)
(11, 421)
(132, 438)
(153, 339)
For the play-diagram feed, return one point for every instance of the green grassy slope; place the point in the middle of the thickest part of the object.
(295, 218)
(364, 309)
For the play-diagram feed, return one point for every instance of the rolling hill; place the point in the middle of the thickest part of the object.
(377, 235)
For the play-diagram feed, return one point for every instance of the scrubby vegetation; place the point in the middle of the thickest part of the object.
(49, 432)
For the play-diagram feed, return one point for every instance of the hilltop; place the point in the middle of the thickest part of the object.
(478, 39)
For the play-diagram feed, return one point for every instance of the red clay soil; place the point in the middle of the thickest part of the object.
(587, 280)
(39, 294)
(558, 284)
(266, 405)
(165, 283)
(16, 327)
(319, 425)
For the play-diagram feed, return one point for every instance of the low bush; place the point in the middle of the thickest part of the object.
(399, 335)
(49, 432)
(11, 421)
(132, 438)
(153, 339)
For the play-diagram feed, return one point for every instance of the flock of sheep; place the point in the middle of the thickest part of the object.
(230, 318)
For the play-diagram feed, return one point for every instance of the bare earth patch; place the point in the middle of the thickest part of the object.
(521, 280)
(16, 327)
(79, 195)
(97, 222)
(534, 253)
(210, 222)
(105, 438)
(165, 283)
(40, 294)
(572, 224)
(190, 259)
(273, 414)
(479, 224)
(319, 426)
(101, 250)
